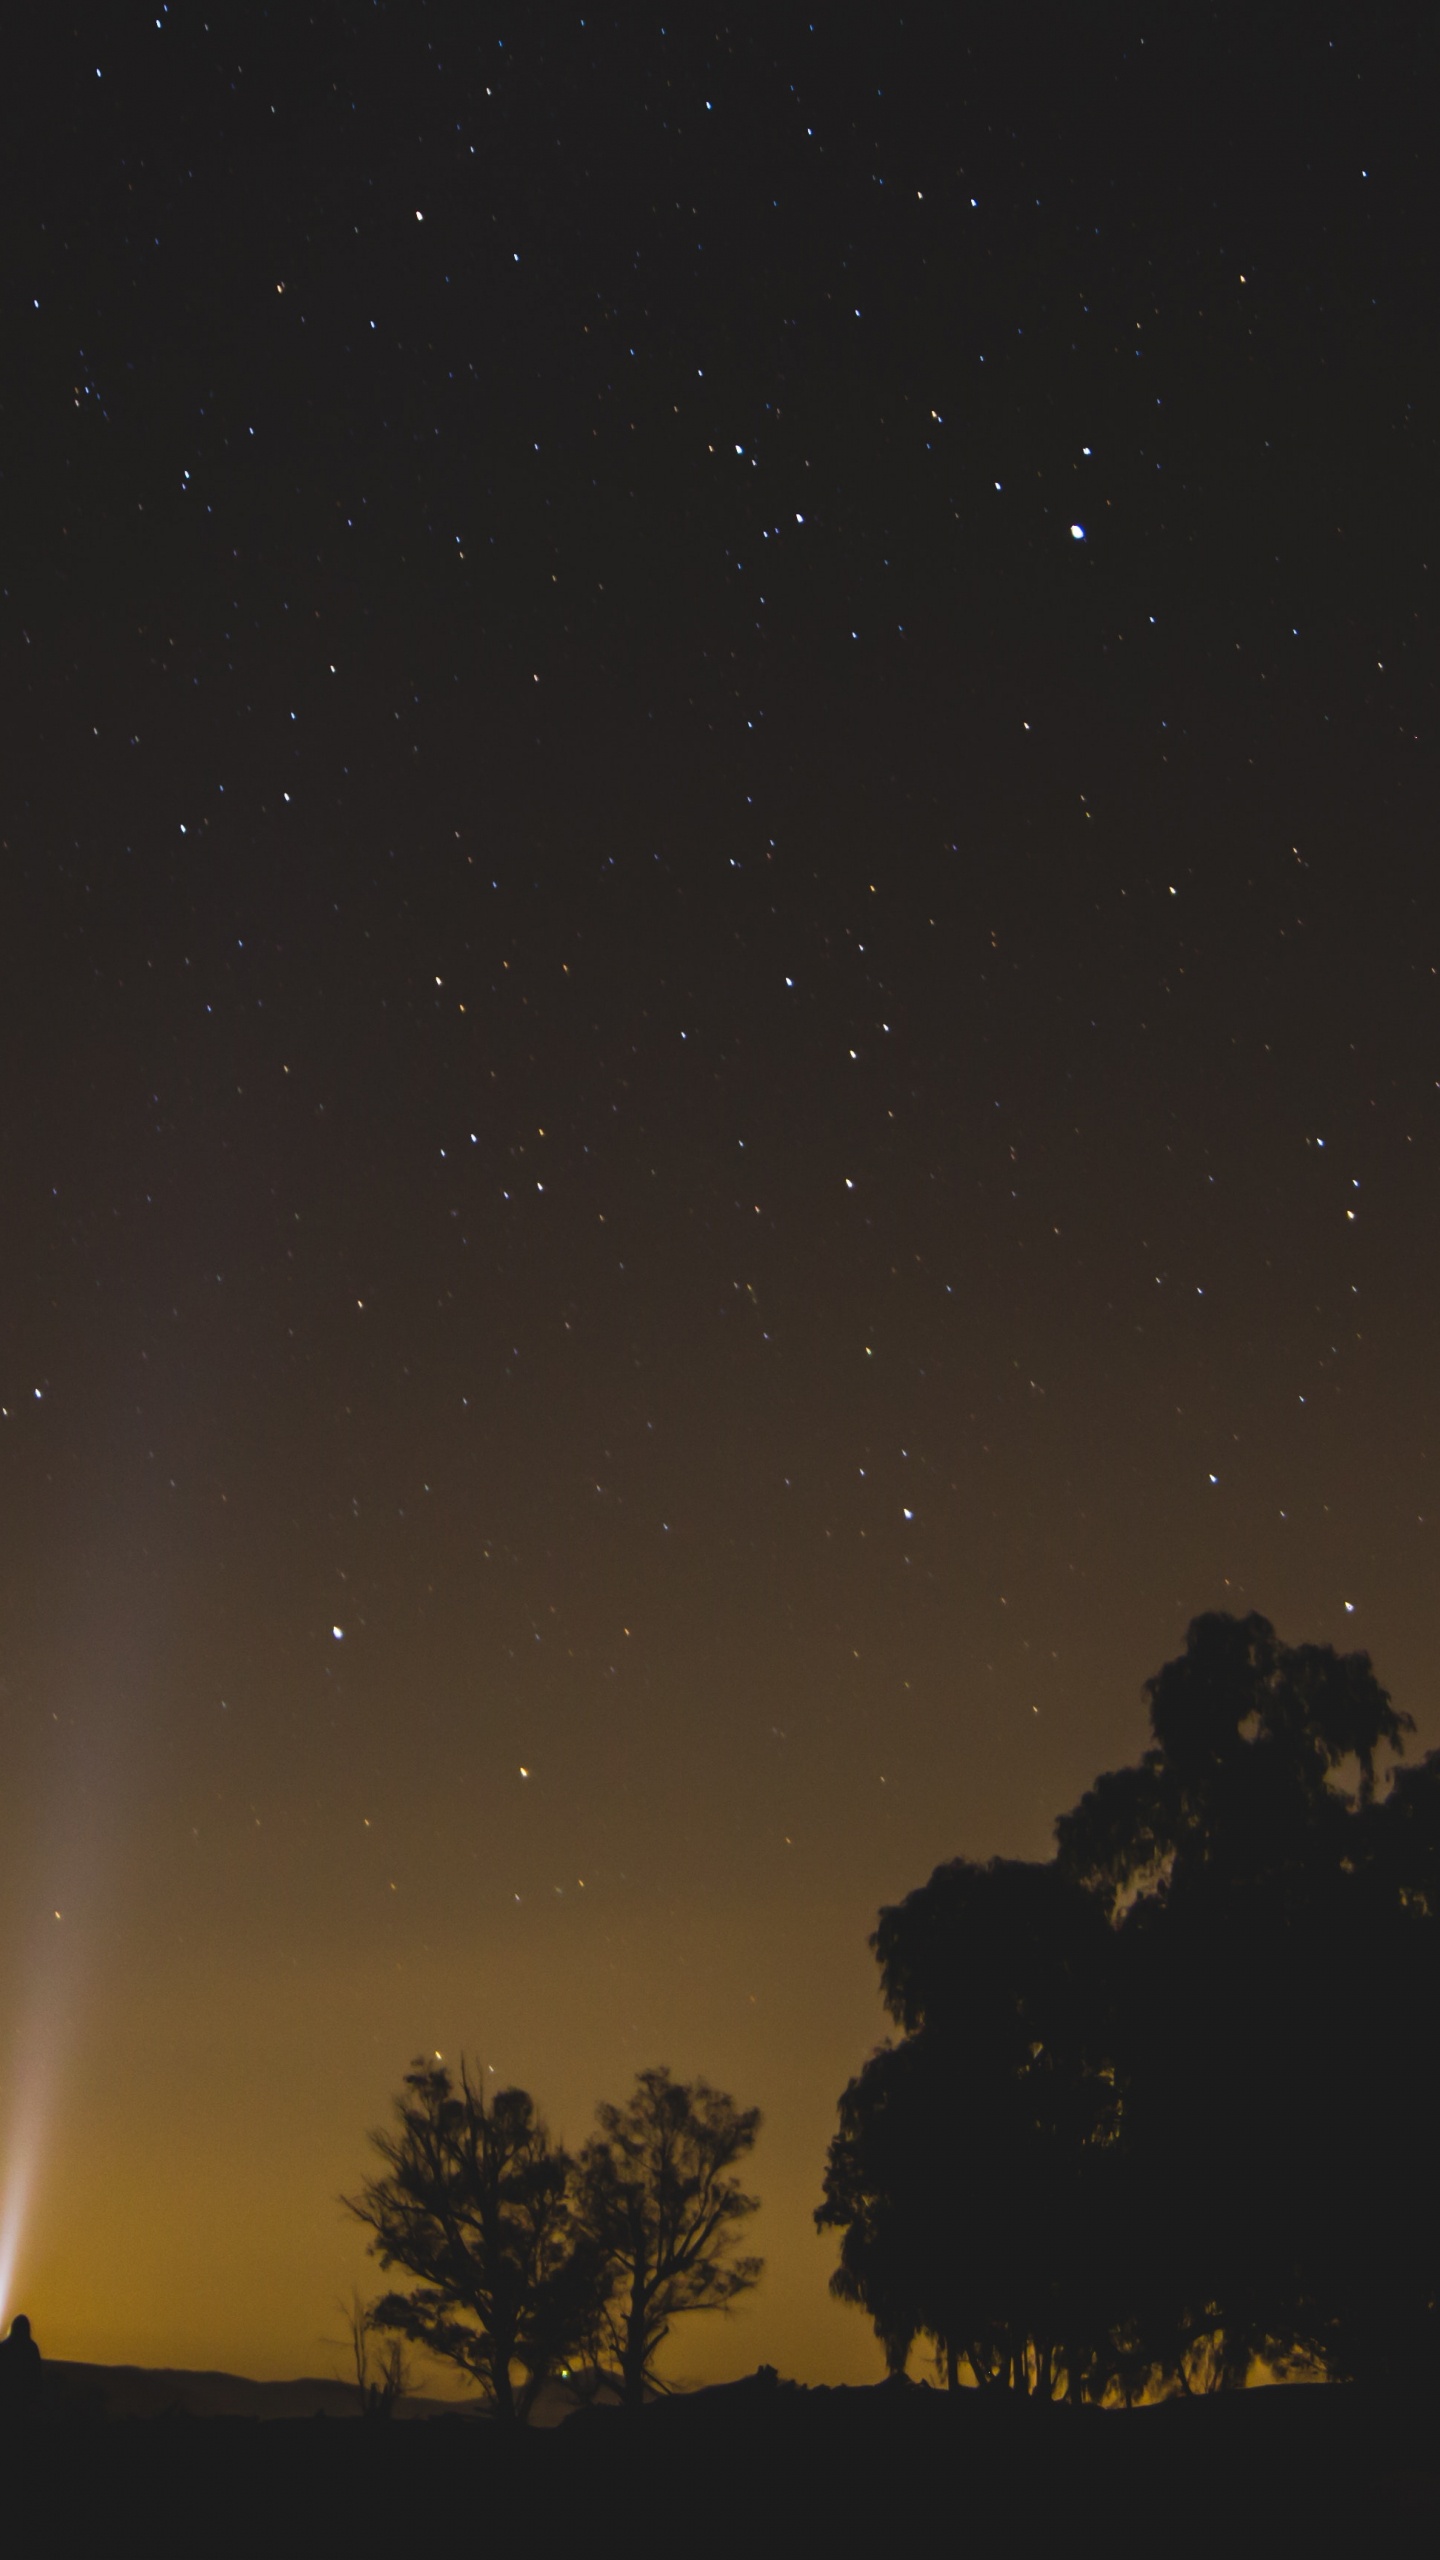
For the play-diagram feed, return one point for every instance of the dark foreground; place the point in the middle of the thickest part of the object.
(753, 2468)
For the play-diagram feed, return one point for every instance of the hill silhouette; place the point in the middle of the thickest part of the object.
(759, 2465)
(111, 2391)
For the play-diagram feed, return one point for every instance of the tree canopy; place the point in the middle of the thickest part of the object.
(969, 2175)
(1164, 2105)
(527, 2260)
(475, 2202)
(659, 2206)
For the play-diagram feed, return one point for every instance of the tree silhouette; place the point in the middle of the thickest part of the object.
(382, 2372)
(475, 2203)
(1264, 2004)
(1161, 2107)
(1388, 2323)
(660, 2210)
(1245, 1777)
(971, 2174)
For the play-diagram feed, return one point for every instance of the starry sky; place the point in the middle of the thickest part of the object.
(721, 1040)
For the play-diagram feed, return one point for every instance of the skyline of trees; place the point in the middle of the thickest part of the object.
(527, 2259)
(1158, 2113)
(1163, 2107)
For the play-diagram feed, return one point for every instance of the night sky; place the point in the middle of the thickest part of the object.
(721, 1039)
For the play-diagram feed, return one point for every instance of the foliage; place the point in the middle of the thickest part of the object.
(660, 2211)
(474, 2202)
(528, 2261)
(1149, 2095)
(971, 2173)
(1251, 1736)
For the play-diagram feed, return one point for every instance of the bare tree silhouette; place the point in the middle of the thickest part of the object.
(657, 2201)
(381, 2364)
(474, 2202)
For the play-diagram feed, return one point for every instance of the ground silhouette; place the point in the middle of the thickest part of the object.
(762, 2466)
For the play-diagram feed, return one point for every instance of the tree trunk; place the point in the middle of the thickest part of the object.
(633, 2359)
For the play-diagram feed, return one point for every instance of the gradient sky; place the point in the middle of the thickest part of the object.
(721, 1066)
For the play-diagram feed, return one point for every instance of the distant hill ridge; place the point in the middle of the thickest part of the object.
(159, 2391)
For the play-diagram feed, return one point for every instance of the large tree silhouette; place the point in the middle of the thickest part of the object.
(972, 2173)
(474, 2202)
(1162, 2108)
(661, 2210)
(1266, 1993)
